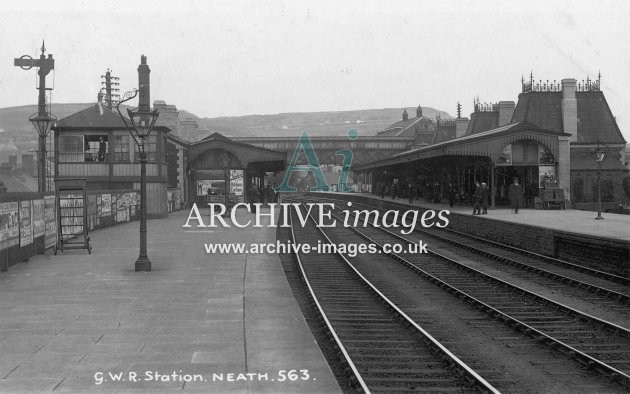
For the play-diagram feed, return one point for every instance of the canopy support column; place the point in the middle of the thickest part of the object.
(492, 187)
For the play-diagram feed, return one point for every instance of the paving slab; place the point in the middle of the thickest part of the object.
(68, 321)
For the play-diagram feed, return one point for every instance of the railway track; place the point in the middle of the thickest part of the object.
(608, 289)
(383, 348)
(595, 343)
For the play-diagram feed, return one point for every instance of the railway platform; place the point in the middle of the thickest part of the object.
(227, 321)
(614, 226)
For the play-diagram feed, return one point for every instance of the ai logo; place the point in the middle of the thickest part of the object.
(313, 166)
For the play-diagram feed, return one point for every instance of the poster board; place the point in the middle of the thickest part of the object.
(9, 224)
(37, 213)
(237, 185)
(26, 224)
(50, 222)
(106, 204)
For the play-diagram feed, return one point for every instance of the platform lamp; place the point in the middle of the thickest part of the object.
(599, 154)
(42, 122)
(142, 120)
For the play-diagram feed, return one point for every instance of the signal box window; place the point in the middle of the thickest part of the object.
(96, 148)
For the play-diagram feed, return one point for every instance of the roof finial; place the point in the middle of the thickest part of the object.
(43, 47)
(531, 78)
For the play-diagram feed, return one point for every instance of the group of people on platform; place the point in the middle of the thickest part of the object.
(480, 195)
(480, 198)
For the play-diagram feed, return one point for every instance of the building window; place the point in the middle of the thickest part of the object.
(121, 148)
(71, 149)
(150, 147)
(96, 148)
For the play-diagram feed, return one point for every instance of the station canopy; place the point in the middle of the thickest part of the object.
(249, 156)
(489, 144)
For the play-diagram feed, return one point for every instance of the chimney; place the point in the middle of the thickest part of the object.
(461, 124)
(506, 110)
(144, 85)
(569, 108)
(405, 115)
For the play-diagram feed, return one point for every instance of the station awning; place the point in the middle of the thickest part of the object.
(248, 155)
(487, 144)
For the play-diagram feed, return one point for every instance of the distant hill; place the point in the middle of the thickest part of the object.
(337, 123)
(14, 121)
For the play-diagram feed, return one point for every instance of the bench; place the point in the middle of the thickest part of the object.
(553, 198)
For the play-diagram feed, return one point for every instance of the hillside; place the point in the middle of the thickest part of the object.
(14, 121)
(336, 123)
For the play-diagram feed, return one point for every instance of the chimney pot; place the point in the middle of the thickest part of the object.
(569, 108)
(461, 124)
(506, 110)
(144, 85)
(568, 88)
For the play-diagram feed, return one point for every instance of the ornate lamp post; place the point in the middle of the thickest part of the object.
(142, 121)
(43, 122)
(599, 154)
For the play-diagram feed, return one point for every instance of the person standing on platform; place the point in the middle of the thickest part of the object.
(252, 197)
(412, 194)
(261, 194)
(516, 195)
(476, 199)
(269, 194)
(381, 189)
(484, 198)
(452, 194)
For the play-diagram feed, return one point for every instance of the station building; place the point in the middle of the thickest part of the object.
(203, 170)
(546, 138)
(94, 144)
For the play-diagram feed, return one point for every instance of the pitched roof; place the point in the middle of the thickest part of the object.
(444, 132)
(400, 128)
(595, 120)
(482, 121)
(216, 136)
(97, 116)
(247, 154)
(174, 138)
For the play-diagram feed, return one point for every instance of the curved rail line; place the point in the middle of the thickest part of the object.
(374, 336)
(535, 314)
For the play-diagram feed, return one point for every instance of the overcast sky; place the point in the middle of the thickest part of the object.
(226, 58)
